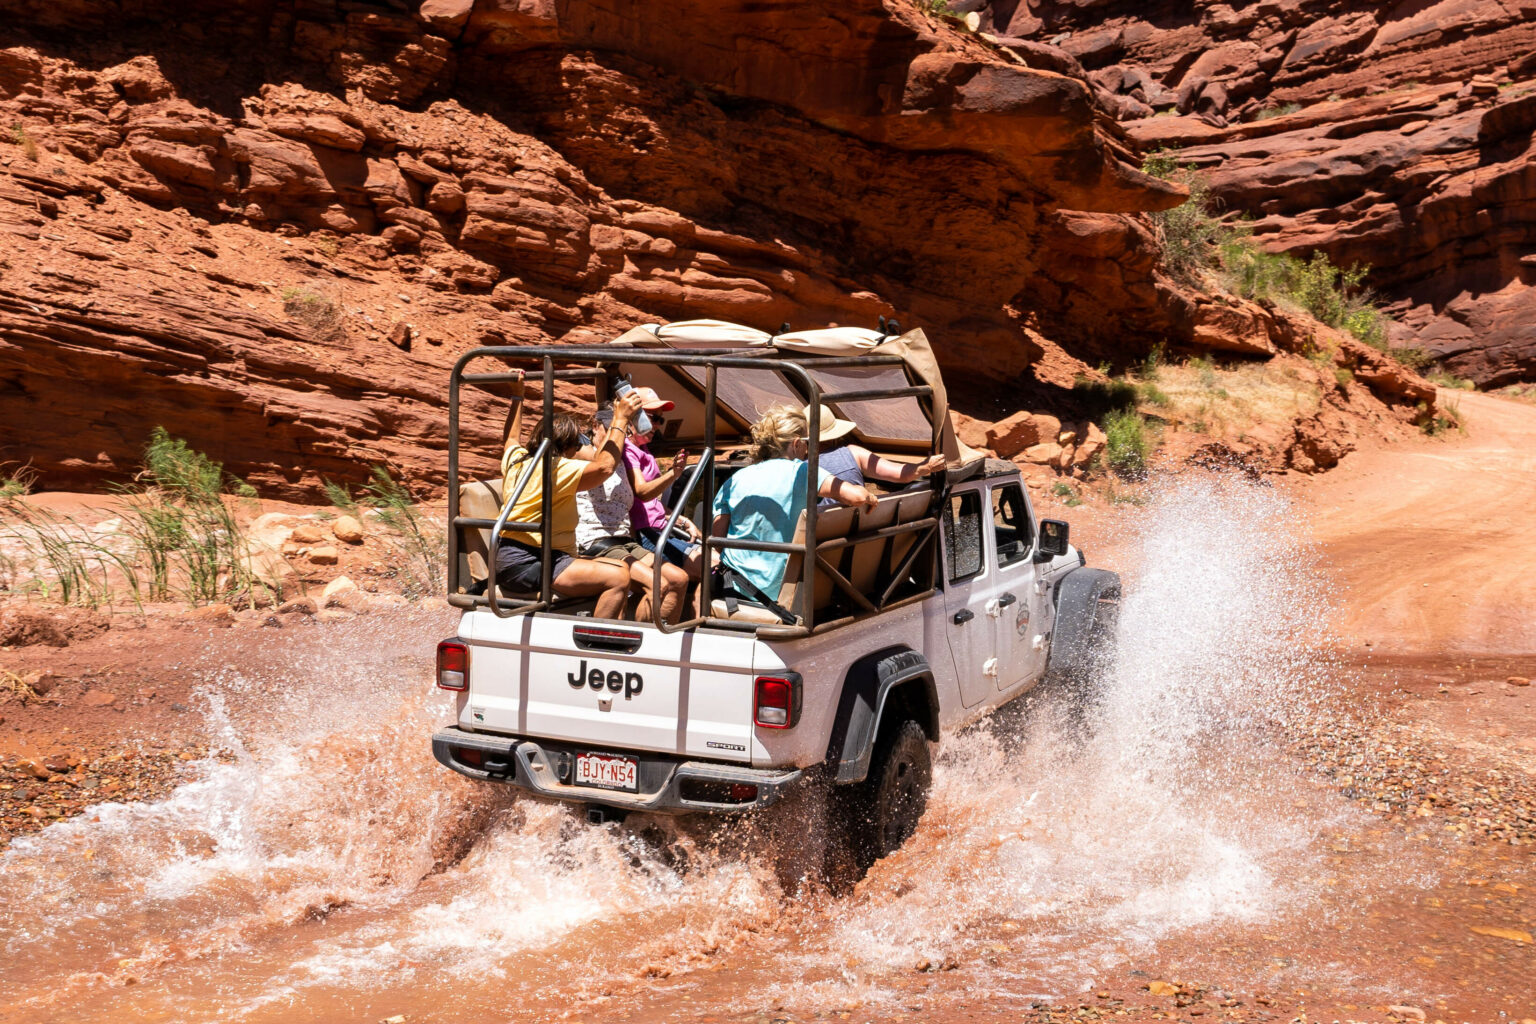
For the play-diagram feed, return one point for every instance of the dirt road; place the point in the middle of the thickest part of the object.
(1433, 542)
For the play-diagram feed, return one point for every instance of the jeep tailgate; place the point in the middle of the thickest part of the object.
(618, 686)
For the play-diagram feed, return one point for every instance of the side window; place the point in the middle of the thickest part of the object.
(1010, 521)
(962, 535)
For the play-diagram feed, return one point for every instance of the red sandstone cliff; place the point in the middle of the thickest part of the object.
(270, 227)
(1411, 150)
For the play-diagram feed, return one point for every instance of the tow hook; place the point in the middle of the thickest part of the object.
(603, 815)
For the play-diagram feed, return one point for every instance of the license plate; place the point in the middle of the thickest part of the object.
(608, 771)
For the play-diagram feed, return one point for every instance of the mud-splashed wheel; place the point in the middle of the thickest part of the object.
(897, 790)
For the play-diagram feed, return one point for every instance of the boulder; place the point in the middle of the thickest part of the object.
(306, 535)
(347, 530)
(1044, 454)
(1011, 435)
(325, 554)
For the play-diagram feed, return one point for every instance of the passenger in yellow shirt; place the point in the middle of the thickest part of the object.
(519, 559)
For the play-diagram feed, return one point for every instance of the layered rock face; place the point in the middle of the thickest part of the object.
(271, 227)
(1404, 141)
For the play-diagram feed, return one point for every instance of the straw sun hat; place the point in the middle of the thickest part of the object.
(832, 427)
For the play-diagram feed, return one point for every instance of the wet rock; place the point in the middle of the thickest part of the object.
(348, 530)
(335, 589)
(299, 606)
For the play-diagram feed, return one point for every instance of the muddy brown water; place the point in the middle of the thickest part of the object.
(324, 867)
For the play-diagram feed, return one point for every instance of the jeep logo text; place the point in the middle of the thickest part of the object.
(629, 682)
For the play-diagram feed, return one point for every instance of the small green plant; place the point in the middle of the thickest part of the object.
(338, 495)
(320, 312)
(1282, 110)
(1343, 375)
(935, 6)
(1154, 395)
(1153, 362)
(22, 138)
(1412, 356)
(328, 246)
(1127, 446)
(1205, 370)
(1446, 379)
(17, 483)
(1445, 420)
(1192, 234)
(1068, 493)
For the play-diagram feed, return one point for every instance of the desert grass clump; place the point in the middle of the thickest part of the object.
(318, 311)
(184, 523)
(422, 568)
(59, 558)
(21, 137)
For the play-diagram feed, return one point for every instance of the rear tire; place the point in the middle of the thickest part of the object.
(879, 814)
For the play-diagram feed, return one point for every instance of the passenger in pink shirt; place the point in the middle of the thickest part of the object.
(648, 515)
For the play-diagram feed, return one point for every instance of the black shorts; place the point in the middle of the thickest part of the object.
(519, 567)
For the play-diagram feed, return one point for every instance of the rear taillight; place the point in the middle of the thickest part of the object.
(777, 705)
(453, 665)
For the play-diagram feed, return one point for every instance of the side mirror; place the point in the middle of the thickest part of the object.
(1053, 540)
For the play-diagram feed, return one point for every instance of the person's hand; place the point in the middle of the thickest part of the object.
(687, 525)
(933, 465)
(871, 499)
(517, 384)
(679, 463)
(625, 410)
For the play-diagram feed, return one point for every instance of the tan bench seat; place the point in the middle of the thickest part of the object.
(866, 564)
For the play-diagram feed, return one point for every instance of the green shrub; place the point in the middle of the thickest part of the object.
(1153, 362)
(1446, 379)
(1127, 445)
(1192, 234)
(17, 484)
(1198, 245)
(1154, 395)
(1343, 375)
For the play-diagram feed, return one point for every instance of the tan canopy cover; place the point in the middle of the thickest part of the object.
(912, 347)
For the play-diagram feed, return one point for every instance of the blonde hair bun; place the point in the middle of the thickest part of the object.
(775, 431)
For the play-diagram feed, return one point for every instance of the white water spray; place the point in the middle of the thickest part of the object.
(326, 862)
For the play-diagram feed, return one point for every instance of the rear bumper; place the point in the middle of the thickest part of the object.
(667, 785)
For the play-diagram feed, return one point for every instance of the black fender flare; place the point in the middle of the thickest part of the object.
(861, 707)
(1081, 596)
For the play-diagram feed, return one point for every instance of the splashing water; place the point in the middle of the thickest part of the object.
(324, 863)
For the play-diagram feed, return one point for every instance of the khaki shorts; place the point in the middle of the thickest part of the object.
(617, 548)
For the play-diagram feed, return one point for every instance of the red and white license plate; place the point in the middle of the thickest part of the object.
(607, 771)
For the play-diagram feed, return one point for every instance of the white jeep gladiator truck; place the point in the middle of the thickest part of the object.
(894, 625)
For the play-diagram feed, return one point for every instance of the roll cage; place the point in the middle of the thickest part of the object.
(599, 366)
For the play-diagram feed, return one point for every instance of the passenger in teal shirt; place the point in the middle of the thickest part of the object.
(764, 500)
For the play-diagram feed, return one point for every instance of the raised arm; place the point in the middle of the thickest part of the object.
(889, 470)
(645, 490)
(514, 429)
(610, 451)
